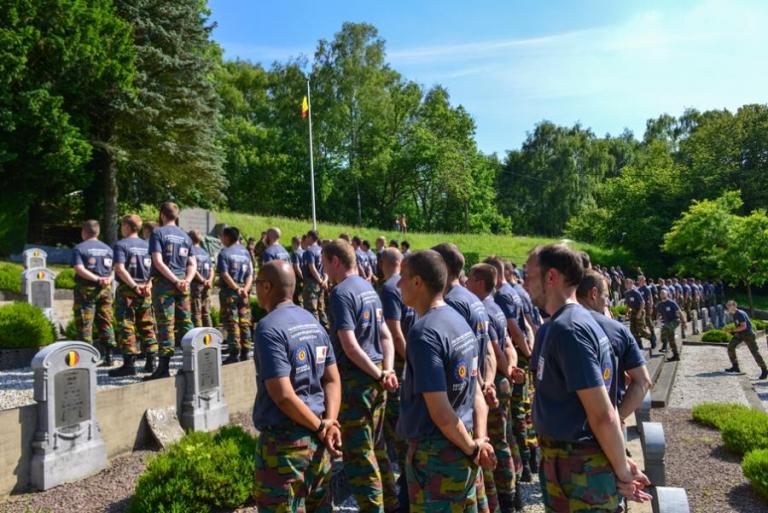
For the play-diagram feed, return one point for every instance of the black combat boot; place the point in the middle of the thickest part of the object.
(234, 356)
(517, 501)
(163, 369)
(244, 354)
(149, 364)
(506, 502)
(763, 374)
(534, 460)
(527, 477)
(107, 359)
(128, 368)
(733, 369)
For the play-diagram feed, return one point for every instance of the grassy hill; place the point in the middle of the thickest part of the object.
(512, 247)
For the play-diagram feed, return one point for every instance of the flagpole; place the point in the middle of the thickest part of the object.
(311, 159)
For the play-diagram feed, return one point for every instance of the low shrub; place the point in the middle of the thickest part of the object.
(70, 331)
(10, 277)
(23, 325)
(745, 431)
(65, 279)
(201, 473)
(257, 312)
(215, 317)
(719, 336)
(716, 414)
(755, 468)
(619, 311)
(759, 324)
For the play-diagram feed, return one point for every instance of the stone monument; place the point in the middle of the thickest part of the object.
(67, 445)
(38, 285)
(197, 219)
(34, 258)
(203, 407)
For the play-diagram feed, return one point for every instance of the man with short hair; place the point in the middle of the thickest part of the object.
(200, 288)
(274, 250)
(381, 242)
(297, 400)
(592, 294)
(502, 488)
(443, 411)
(361, 256)
(173, 267)
(636, 303)
(92, 262)
(671, 315)
(583, 457)
(365, 355)
(235, 278)
(133, 298)
(743, 332)
(405, 248)
(373, 261)
(315, 281)
(297, 257)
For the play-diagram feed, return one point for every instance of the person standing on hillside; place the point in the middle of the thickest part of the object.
(92, 262)
(200, 288)
(403, 224)
(743, 332)
(173, 268)
(235, 279)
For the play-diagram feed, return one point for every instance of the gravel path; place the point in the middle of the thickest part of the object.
(700, 377)
(697, 461)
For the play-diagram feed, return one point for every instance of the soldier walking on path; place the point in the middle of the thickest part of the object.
(173, 267)
(671, 316)
(133, 299)
(743, 332)
(636, 303)
(92, 262)
(297, 400)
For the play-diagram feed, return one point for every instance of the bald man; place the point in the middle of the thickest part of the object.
(274, 250)
(297, 400)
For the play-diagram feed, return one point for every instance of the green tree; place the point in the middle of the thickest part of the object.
(743, 260)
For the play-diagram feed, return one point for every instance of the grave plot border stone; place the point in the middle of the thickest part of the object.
(67, 445)
(203, 407)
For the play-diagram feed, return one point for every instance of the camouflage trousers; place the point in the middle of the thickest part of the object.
(576, 477)
(395, 443)
(637, 326)
(521, 426)
(292, 472)
(172, 312)
(93, 310)
(441, 478)
(134, 315)
(369, 471)
(668, 336)
(236, 319)
(314, 301)
(500, 482)
(200, 301)
(749, 339)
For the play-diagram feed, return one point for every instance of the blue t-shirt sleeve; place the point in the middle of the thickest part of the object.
(343, 311)
(155, 244)
(77, 257)
(738, 318)
(273, 357)
(391, 306)
(120, 257)
(508, 306)
(429, 369)
(330, 357)
(493, 333)
(222, 265)
(632, 356)
(578, 360)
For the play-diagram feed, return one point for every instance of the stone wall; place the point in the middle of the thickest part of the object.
(120, 414)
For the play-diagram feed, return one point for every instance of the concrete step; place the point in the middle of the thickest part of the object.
(662, 386)
(655, 364)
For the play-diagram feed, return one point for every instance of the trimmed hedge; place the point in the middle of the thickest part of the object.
(10, 277)
(201, 473)
(746, 431)
(23, 325)
(719, 336)
(717, 414)
(755, 468)
(759, 324)
(65, 279)
(619, 311)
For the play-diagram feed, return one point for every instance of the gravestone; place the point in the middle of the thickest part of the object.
(670, 500)
(720, 316)
(705, 324)
(713, 316)
(34, 258)
(67, 445)
(203, 407)
(694, 321)
(654, 449)
(39, 285)
(197, 219)
(164, 425)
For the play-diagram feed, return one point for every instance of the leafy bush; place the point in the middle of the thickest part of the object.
(10, 277)
(719, 336)
(23, 325)
(619, 311)
(470, 258)
(759, 324)
(70, 331)
(717, 414)
(65, 279)
(201, 473)
(755, 468)
(257, 312)
(215, 317)
(746, 431)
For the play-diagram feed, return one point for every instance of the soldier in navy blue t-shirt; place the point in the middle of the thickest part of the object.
(173, 268)
(274, 250)
(297, 400)
(671, 316)
(636, 302)
(365, 355)
(743, 332)
(315, 280)
(200, 288)
(133, 298)
(583, 456)
(235, 269)
(443, 412)
(92, 262)
(361, 256)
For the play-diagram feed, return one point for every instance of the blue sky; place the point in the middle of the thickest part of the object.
(605, 64)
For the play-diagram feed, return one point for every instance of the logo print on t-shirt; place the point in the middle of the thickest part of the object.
(460, 373)
(301, 355)
(366, 315)
(92, 261)
(607, 374)
(320, 353)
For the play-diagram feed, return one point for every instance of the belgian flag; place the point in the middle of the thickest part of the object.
(304, 107)
(72, 358)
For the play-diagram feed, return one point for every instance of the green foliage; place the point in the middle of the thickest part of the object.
(755, 468)
(201, 473)
(70, 331)
(257, 312)
(717, 414)
(10, 277)
(470, 258)
(23, 325)
(619, 311)
(746, 431)
(65, 279)
(759, 324)
(215, 316)
(716, 336)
